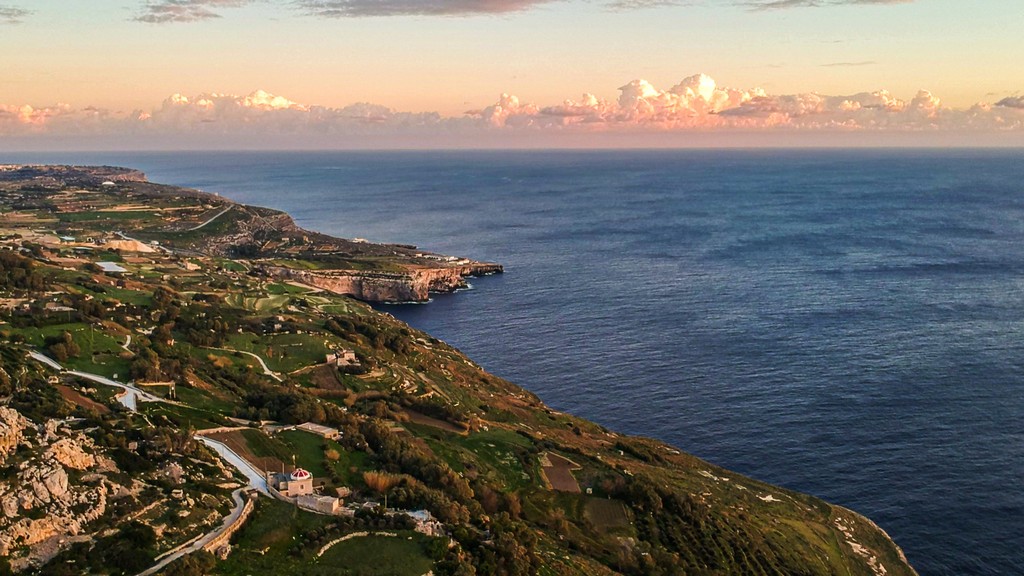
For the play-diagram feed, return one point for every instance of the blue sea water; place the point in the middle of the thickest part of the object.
(844, 323)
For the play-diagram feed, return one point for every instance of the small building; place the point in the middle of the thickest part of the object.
(343, 358)
(319, 430)
(321, 504)
(426, 523)
(298, 483)
(111, 267)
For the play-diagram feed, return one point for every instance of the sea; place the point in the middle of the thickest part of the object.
(847, 323)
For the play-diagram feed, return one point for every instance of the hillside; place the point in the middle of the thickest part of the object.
(185, 347)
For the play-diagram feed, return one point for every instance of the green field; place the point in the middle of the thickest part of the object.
(308, 450)
(183, 416)
(493, 451)
(262, 547)
(99, 352)
(400, 555)
(289, 352)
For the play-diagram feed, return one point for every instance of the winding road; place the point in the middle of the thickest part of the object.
(266, 369)
(256, 478)
(130, 397)
(199, 543)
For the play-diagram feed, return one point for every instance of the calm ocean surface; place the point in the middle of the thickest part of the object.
(844, 323)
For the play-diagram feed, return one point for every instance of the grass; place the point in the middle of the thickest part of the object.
(400, 555)
(264, 446)
(257, 303)
(308, 450)
(203, 400)
(103, 215)
(262, 547)
(183, 416)
(607, 515)
(350, 467)
(492, 451)
(232, 266)
(279, 289)
(290, 351)
(99, 352)
(305, 447)
(297, 264)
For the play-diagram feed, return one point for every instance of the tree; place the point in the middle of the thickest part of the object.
(381, 482)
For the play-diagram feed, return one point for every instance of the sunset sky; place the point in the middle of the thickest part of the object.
(106, 66)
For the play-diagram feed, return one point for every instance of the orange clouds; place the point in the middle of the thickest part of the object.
(697, 103)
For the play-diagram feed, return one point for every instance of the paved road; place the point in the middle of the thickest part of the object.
(215, 216)
(256, 478)
(198, 544)
(129, 398)
(142, 395)
(266, 369)
(46, 360)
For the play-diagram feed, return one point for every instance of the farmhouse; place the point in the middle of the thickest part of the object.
(321, 504)
(322, 431)
(343, 358)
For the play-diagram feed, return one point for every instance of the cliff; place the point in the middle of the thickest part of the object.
(414, 285)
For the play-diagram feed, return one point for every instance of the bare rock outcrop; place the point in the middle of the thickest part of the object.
(11, 426)
(41, 503)
(70, 454)
(414, 285)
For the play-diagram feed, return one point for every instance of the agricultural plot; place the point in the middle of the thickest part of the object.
(606, 515)
(256, 448)
(558, 471)
(257, 303)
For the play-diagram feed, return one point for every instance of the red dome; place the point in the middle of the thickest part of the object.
(300, 474)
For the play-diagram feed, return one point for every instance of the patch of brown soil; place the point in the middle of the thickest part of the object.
(417, 418)
(558, 472)
(236, 441)
(75, 397)
(325, 377)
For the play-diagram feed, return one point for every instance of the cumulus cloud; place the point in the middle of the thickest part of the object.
(697, 103)
(1012, 102)
(164, 11)
(359, 8)
(12, 14)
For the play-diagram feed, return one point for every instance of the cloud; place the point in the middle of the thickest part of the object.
(696, 104)
(164, 11)
(1012, 102)
(361, 8)
(849, 64)
(643, 4)
(784, 4)
(12, 14)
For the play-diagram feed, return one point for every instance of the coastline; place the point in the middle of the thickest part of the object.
(527, 407)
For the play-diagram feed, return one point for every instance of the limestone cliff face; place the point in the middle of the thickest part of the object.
(414, 285)
(42, 502)
(11, 425)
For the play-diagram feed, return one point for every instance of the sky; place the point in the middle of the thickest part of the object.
(334, 73)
